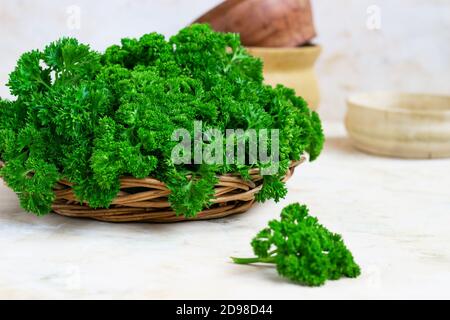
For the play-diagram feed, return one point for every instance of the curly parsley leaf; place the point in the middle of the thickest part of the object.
(302, 249)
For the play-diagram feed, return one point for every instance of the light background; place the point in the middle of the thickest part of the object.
(410, 53)
(393, 213)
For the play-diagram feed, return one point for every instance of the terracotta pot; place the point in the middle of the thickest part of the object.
(264, 23)
(292, 67)
(400, 125)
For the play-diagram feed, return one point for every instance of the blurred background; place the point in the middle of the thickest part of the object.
(401, 45)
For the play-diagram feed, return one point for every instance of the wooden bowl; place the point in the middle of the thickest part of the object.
(400, 125)
(292, 67)
(264, 23)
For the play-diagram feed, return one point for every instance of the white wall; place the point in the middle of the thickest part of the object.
(411, 51)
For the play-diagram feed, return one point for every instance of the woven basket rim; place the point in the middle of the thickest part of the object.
(232, 195)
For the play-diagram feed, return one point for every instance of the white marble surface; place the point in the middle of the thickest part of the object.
(393, 214)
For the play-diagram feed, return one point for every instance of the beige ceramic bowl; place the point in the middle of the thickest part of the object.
(400, 125)
(292, 67)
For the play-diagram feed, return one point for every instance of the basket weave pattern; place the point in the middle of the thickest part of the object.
(232, 195)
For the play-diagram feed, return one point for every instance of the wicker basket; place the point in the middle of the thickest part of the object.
(232, 195)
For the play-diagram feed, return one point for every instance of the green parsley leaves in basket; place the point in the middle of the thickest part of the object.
(90, 118)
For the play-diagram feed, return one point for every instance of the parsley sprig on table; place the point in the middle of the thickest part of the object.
(303, 250)
(92, 117)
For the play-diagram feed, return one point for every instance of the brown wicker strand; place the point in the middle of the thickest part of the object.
(233, 195)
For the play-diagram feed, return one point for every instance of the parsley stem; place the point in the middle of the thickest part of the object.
(253, 260)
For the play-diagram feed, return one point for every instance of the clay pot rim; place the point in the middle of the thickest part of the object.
(376, 101)
(305, 48)
(306, 52)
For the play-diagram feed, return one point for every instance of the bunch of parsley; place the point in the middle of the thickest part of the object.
(90, 118)
(302, 249)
